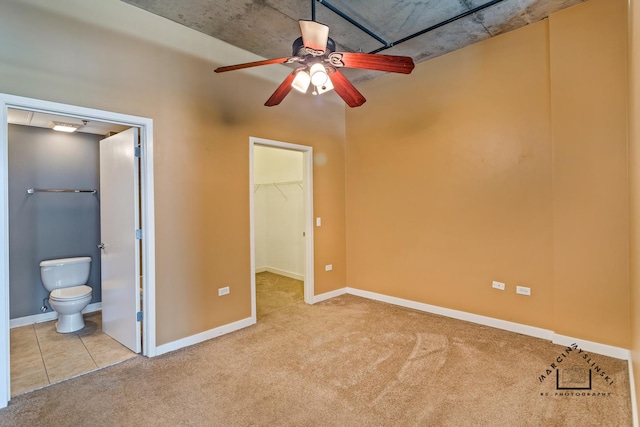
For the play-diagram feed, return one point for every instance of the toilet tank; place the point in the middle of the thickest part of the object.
(65, 272)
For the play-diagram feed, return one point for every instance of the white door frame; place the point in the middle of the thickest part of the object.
(307, 173)
(148, 222)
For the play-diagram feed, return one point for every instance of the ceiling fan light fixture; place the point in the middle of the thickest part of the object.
(301, 81)
(318, 74)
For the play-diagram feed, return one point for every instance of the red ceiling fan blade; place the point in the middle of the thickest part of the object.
(370, 61)
(253, 64)
(282, 91)
(314, 35)
(346, 90)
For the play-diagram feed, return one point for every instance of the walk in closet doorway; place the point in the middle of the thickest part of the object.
(281, 213)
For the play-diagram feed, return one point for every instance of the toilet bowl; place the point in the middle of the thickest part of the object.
(66, 279)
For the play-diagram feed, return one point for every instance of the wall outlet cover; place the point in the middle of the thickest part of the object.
(498, 285)
(523, 290)
(223, 291)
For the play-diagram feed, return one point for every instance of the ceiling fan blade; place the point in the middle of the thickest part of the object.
(253, 64)
(346, 90)
(370, 61)
(282, 91)
(314, 35)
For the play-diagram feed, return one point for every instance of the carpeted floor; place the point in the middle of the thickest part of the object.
(345, 362)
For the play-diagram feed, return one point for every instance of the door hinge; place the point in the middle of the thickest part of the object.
(137, 152)
(139, 234)
(139, 316)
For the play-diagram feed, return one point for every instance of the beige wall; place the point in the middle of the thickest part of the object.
(590, 186)
(634, 171)
(202, 125)
(502, 161)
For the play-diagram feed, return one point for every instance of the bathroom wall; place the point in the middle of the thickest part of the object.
(50, 225)
(279, 212)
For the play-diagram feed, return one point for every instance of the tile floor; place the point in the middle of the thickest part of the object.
(40, 356)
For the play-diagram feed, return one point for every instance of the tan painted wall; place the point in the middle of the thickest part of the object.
(473, 169)
(634, 190)
(202, 125)
(589, 139)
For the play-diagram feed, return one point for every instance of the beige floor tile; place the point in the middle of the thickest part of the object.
(24, 344)
(61, 368)
(113, 356)
(22, 331)
(26, 365)
(90, 327)
(28, 383)
(52, 359)
(53, 335)
(39, 351)
(44, 328)
(95, 317)
(23, 337)
(69, 344)
(99, 342)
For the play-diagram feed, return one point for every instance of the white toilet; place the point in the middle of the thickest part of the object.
(66, 280)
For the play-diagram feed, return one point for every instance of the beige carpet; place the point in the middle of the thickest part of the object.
(345, 362)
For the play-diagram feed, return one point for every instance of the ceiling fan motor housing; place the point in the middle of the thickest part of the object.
(300, 50)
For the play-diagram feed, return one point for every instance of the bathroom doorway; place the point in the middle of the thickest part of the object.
(289, 183)
(145, 201)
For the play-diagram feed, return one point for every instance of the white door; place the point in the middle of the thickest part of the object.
(119, 220)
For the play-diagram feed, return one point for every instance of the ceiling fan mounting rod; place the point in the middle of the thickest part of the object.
(350, 20)
(436, 26)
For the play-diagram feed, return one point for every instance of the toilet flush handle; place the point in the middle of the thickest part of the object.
(101, 245)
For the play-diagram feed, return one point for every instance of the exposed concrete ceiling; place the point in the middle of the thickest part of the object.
(268, 27)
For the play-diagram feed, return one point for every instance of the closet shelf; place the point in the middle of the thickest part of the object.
(48, 190)
(277, 184)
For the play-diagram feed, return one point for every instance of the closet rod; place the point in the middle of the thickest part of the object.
(44, 190)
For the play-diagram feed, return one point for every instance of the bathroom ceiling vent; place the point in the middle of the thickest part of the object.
(64, 127)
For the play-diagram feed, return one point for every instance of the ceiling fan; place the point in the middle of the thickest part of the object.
(320, 64)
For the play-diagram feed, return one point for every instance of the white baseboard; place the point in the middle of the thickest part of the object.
(48, 316)
(457, 314)
(606, 350)
(329, 295)
(284, 273)
(204, 336)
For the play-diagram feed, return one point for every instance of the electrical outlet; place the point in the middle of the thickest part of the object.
(223, 291)
(523, 290)
(498, 285)
(318, 222)
(328, 267)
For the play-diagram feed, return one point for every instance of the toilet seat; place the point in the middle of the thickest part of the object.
(70, 294)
